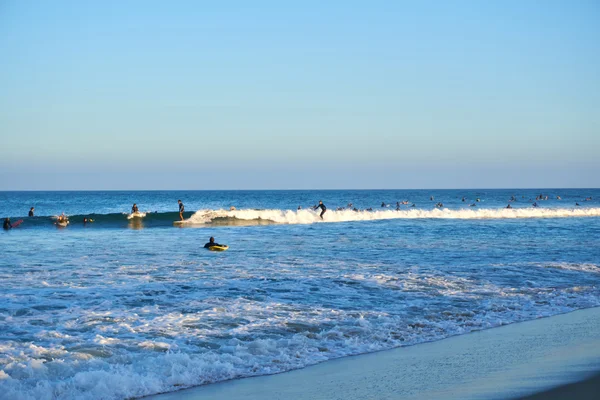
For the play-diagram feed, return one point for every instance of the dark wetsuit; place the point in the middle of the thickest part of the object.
(323, 208)
(134, 209)
(7, 225)
(30, 213)
(209, 245)
(181, 208)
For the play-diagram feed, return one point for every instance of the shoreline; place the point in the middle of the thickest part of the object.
(541, 357)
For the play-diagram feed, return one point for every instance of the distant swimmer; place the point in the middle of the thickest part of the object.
(383, 204)
(463, 199)
(211, 243)
(181, 209)
(431, 198)
(7, 225)
(508, 206)
(576, 204)
(350, 205)
(232, 208)
(134, 209)
(31, 210)
(299, 207)
(439, 205)
(478, 199)
(558, 198)
(322, 207)
(473, 205)
(535, 204)
(414, 205)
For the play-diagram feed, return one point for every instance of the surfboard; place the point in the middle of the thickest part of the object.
(136, 214)
(63, 224)
(178, 222)
(218, 248)
(19, 222)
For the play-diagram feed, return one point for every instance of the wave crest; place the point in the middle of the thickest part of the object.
(237, 217)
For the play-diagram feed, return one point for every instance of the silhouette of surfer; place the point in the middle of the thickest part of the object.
(322, 207)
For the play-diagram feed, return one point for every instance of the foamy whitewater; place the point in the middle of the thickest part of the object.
(128, 307)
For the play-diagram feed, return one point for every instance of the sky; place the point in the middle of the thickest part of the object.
(299, 95)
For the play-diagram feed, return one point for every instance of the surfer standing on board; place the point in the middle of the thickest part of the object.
(31, 210)
(322, 207)
(181, 209)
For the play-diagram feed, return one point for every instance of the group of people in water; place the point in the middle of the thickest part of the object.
(62, 220)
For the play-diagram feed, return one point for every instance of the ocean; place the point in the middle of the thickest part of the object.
(124, 307)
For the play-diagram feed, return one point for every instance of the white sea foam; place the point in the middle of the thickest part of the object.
(310, 216)
(136, 215)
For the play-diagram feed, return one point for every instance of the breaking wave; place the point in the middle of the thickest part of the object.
(257, 217)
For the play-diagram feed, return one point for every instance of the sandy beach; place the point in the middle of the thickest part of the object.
(542, 356)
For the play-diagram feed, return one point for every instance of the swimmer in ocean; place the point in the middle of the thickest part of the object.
(134, 209)
(31, 211)
(7, 225)
(322, 207)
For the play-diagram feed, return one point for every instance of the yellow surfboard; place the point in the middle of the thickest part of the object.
(218, 248)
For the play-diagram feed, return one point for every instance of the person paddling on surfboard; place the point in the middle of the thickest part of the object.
(322, 207)
(7, 225)
(181, 209)
(211, 243)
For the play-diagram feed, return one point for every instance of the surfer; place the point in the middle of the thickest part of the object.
(134, 209)
(181, 209)
(31, 211)
(322, 207)
(7, 225)
(211, 243)
(62, 218)
(509, 206)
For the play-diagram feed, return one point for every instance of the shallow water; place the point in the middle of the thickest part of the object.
(103, 311)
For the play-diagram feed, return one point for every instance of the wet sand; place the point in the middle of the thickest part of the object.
(508, 362)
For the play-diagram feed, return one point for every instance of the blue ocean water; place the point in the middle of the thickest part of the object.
(126, 307)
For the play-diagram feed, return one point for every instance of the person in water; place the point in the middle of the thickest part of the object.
(181, 209)
(322, 207)
(211, 243)
(7, 225)
(509, 206)
(134, 209)
(31, 211)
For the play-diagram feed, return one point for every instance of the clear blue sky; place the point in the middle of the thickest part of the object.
(314, 94)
